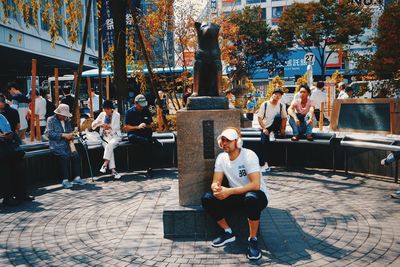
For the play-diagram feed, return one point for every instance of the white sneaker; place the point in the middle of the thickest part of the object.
(117, 175)
(79, 181)
(103, 169)
(66, 184)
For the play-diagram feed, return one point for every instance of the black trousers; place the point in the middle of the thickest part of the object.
(265, 142)
(252, 202)
(12, 178)
(64, 163)
(145, 148)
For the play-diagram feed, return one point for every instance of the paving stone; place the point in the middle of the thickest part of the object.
(315, 218)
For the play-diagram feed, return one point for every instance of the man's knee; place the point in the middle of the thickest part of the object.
(207, 200)
(254, 199)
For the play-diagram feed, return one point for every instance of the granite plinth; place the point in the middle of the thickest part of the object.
(194, 222)
(207, 103)
(194, 170)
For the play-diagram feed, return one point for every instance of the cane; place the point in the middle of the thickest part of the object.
(85, 147)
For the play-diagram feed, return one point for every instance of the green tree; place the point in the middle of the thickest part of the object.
(386, 61)
(327, 25)
(254, 44)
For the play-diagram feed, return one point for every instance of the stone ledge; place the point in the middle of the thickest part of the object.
(207, 103)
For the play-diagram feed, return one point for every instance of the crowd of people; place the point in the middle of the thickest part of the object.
(56, 125)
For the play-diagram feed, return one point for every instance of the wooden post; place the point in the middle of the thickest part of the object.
(37, 125)
(108, 87)
(56, 90)
(89, 88)
(77, 104)
(329, 100)
(159, 119)
(33, 99)
(321, 116)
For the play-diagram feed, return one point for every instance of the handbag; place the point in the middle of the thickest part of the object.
(92, 138)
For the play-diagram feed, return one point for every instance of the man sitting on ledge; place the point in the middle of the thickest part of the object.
(247, 189)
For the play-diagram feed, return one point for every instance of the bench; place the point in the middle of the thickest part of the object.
(39, 160)
(365, 142)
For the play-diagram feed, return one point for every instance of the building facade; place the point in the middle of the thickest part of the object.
(271, 11)
(21, 42)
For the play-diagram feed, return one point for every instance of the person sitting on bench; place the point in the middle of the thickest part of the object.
(392, 157)
(247, 189)
(301, 113)
(61, 142)
(110, 133)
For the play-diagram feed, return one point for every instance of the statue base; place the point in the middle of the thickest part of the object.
(207, 103)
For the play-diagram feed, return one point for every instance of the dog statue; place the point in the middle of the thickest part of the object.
(207, 65)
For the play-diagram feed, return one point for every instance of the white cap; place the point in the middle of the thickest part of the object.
(230, 134)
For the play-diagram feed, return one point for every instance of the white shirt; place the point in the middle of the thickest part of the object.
(318, 96)
(272, 110)
(236, 170)
(96, 101)
(115, 123)
(40, 109)
(342, 94)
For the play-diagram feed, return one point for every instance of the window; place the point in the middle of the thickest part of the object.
(95, 26)
(255, 1)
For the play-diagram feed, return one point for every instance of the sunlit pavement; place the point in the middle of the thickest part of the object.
(315, 218)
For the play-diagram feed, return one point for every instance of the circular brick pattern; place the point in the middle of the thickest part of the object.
(315, 218)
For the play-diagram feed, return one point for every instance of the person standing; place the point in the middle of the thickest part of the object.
(61, 138)
(95, 101)
(301, 112)
(10, 113)
(138, 124)
(318, 96)
(341, 87)
(109, 123)
(251, 107)
(272, 118)
(21, 103)
(68, 98)
(246, 190)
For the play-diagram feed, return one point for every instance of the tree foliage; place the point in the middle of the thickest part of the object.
(386, 62)
(327, 25)
(249, 43)
(51, 15)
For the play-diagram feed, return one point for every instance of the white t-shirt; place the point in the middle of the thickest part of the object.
(236, 171)
(40, 109)
(272, 111)
(317, 97)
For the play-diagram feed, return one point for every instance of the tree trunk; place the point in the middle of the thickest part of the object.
(146, 58)
(80, 67)
(118, 11)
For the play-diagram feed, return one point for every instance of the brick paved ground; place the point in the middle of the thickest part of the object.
(315, 218)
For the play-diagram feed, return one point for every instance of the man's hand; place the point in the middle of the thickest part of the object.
(105, 126)
(309, 122)
(265, 131)
(297, 122)
(6, 136)
(142, 125)
(223, 192)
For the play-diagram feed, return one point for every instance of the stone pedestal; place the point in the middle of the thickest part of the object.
(197, 131)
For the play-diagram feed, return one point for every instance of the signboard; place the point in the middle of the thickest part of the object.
(213, 6)
(309, 58)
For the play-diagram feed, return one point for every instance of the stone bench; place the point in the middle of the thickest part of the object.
(366, 142)
(38, 157)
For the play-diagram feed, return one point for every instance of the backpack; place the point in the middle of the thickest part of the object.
(265, 108)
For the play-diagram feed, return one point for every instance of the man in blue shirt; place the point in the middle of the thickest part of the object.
(13, 187)
(138, 125)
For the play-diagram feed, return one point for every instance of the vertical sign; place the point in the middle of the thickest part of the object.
(213, 6)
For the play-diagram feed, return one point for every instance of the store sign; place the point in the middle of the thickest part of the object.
(213, 6)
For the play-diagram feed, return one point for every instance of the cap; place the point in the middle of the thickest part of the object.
(141, 100)
(278, 90)
(230, 134)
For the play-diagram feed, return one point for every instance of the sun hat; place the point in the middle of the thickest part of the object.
(63, 109)
(141, 100)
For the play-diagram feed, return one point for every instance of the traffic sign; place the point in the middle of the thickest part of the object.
(309, 58)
